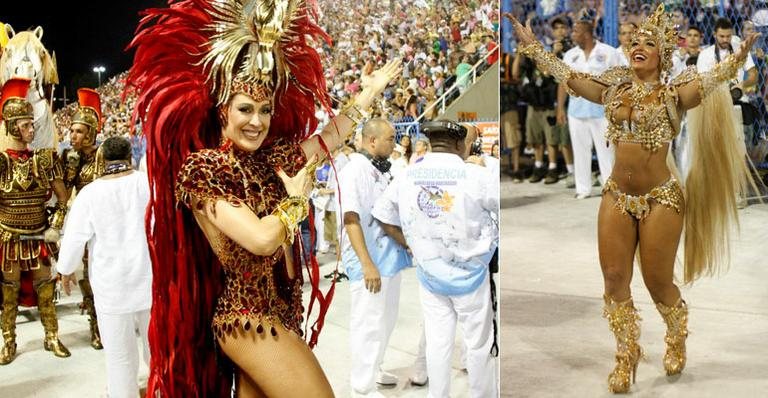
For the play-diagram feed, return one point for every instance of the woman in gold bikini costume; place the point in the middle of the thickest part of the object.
(644, 208)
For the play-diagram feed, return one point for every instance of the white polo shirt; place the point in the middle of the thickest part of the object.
(600, 59)
(448, 211)
(360, 184)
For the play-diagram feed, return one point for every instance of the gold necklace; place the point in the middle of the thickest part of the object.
(639, 91)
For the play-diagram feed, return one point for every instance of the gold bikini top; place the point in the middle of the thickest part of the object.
(653, 119)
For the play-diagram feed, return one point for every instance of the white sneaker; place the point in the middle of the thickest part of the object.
(580, 196)
(419, 378)
(386, 378)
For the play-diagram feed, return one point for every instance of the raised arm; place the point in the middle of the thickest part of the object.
(576, 83)
(693, 87)
(342, 125)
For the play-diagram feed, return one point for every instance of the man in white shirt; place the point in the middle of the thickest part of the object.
(372, 259)
(108, 215)
(586, 120)
(725, 44)
(446, 211)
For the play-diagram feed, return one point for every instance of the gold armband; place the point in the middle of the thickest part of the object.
(551, 65)
(291, 211)
(722, 72)
(56, 221)
(354, 113)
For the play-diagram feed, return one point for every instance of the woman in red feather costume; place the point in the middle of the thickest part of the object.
(226, 97)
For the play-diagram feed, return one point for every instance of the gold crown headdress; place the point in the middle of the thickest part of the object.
(661, 28)
(253, 26)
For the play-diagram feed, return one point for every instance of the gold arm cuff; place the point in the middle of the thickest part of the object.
(551, 65)
(57, 218)
(722, 72)
(354, 113)
(291, 211)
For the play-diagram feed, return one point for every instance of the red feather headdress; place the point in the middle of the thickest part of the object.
(190, 58)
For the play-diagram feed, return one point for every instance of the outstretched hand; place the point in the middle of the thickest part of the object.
(524, 34)
(746, 45)
(379, 79)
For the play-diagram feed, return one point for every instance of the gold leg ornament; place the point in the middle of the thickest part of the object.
(47, 309)
(624, 322)
(8, 321)
(676, 319)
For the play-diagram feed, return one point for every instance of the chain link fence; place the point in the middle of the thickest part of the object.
(697, 21)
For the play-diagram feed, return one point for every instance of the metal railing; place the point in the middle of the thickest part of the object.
(447, 98)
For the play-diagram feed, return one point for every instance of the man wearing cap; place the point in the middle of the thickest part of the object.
(27, 234)
(80, 170)
(372, 259)
(120, 266)
(446, 212)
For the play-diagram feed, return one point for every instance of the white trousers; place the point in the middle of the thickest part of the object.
(585, 133)
(321, 243)
(474, 312)
(118, 334)
(371, 321)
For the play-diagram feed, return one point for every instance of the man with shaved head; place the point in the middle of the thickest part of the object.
(372, 259)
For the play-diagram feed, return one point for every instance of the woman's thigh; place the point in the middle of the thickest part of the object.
(281, 365)
(617, 241)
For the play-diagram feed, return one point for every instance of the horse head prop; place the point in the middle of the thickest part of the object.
(25, 56)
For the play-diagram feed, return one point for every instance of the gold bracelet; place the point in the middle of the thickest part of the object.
(291, 211)
(354, 113)
(56, 220)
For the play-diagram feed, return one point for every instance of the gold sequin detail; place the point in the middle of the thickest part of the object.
(676, 319)
(668, 194)
(624, 322)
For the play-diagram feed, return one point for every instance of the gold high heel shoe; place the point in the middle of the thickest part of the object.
(676, 319)
(624, 322)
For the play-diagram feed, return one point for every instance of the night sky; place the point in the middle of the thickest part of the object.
(97, 35)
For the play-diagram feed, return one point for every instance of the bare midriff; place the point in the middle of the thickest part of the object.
(637, 170)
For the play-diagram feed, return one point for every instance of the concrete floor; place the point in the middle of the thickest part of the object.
(37, 373)
(555, 342)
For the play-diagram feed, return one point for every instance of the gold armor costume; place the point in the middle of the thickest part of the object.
(26, 180)
(82, 167)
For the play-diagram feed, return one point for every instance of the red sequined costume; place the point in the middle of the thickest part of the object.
(179, 91)
(257, 287)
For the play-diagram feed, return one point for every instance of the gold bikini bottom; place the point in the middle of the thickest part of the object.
(668, 194)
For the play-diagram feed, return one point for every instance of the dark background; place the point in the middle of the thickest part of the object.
(83, 34)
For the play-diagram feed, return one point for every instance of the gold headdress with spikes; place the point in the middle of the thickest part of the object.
(662, 29)
(258, 27)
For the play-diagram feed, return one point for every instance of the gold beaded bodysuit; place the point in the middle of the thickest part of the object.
(25, 187)
(653, 122)
(654, 119)
(257, 287)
